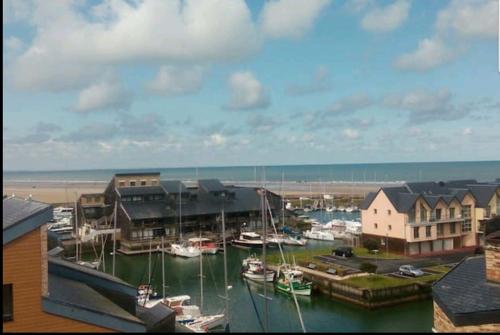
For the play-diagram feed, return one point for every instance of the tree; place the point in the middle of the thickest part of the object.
(371, 244)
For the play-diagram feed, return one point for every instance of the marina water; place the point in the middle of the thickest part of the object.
(320, 313)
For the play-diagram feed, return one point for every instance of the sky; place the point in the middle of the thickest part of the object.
(91, 84)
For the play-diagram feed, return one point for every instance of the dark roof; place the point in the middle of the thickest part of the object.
(137, 174)
(432, 200)
(172, 186)
(449, 198)
(159, 318)
(23, 216)
(76, 300)
(431, 188)
(483, 193)
(211, 185)
(492, 226)
(465, 296)
(147, 210)
(459, 193)
(460, 183)
(139, 190)
(368, 200)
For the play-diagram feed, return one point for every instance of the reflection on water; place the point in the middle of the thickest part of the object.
(320, 314)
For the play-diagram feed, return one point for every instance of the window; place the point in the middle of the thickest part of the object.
(374, 211)
(452, 228)
(388, 212)
(154, 182)
(376, 225)
(121, 183)
(415, 232)
(143, 183)
(440, 229)
(428, 231)
(488, 212)
(466, 226)
(390, 227)
(8, 306)
(423, 214)
(466, 211)
(438, 214)
(452, 212)
(132, 183)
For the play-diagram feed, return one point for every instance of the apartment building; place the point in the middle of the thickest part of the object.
(427, 217)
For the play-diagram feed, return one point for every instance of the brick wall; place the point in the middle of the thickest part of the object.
(492, 256)
(444, 325)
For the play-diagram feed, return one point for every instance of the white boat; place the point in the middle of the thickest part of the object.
(341, 209)
(289, 206)
(317, 232)
(61, 230)
(250, 240)
(184, 250)
(253, 269)
(353, 227)
(287, 239)
(206, 245)
(330, 209)
(190, 315)
(349, 209)
(92, 265)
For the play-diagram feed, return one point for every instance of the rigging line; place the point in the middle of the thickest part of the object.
(283, 258)
(254, 306)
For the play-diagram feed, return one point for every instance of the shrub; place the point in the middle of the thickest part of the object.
(371, 244)
(368, 267)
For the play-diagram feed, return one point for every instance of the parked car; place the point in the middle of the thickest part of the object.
(343, 251)
(410, 270)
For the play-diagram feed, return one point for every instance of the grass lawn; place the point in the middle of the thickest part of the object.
(301, 256)
(438, 268)
(375, 281)
(363, 252)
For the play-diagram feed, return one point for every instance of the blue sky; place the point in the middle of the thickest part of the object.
(130, 84)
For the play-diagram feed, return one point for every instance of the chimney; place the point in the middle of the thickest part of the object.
(492, 257)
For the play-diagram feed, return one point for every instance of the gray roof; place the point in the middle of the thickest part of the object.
(172, 186)
(139, 190)
(465, 295)
(432, 200)
(483, 193)
(88, 305)
(245, 199)
(147, 210)
(159, 318)
(460, 183)
(211, 185)
(368, 200)
(431, 188)
(127, 174)
(22, 216)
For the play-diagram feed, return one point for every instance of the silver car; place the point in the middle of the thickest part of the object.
(410, 270)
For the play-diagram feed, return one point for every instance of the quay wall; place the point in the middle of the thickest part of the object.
(332, 286)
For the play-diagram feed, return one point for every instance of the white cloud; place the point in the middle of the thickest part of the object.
(430, 53)
(320, 83)
(427, 106)
(105, 95)
(290, 18)
(16, 10)
(387, 18)
(469, 18)
(458, 24)
(350, 104)
(172, 80)
(216, 140)
(351, 134)
(467, 131)
(357, 6)
(246, 92)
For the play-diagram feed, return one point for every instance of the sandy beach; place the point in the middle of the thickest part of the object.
(60, 192)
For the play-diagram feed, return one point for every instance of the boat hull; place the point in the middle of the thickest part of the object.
(259, 277)
(298, 288)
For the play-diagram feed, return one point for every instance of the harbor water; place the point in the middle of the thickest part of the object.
(320, 313)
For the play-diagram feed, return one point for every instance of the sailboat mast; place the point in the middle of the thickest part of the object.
(163, 264)
(114, 237)
(180, 211)
(201, 275)
(282, 199)
(226, 298)
(264, 223)
(77, 232)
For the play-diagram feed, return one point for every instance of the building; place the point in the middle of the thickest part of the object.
(429, 217)
(467, 299)
(147, 207)
(44, 293)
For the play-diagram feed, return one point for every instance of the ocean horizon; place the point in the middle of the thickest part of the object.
(359, 172)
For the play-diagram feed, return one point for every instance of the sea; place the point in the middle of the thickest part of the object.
(373, 172)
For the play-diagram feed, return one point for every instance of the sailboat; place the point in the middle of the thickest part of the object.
(182, 248)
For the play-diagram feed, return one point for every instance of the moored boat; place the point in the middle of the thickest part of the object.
(184, 250)
(293, 277)
(253, 269)
(251, 240)
(206, 245)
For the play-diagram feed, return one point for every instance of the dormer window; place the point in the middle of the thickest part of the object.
(388, 212)
(374, 211)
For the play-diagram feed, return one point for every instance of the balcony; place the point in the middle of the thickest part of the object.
(434, 220)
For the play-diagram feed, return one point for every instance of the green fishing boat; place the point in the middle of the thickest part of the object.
(295, 276)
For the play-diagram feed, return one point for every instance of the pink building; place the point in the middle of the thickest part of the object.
(427, 217)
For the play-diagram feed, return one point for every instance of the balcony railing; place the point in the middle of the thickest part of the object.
(434, 220)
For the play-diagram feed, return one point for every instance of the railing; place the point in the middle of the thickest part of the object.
(435, 220)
